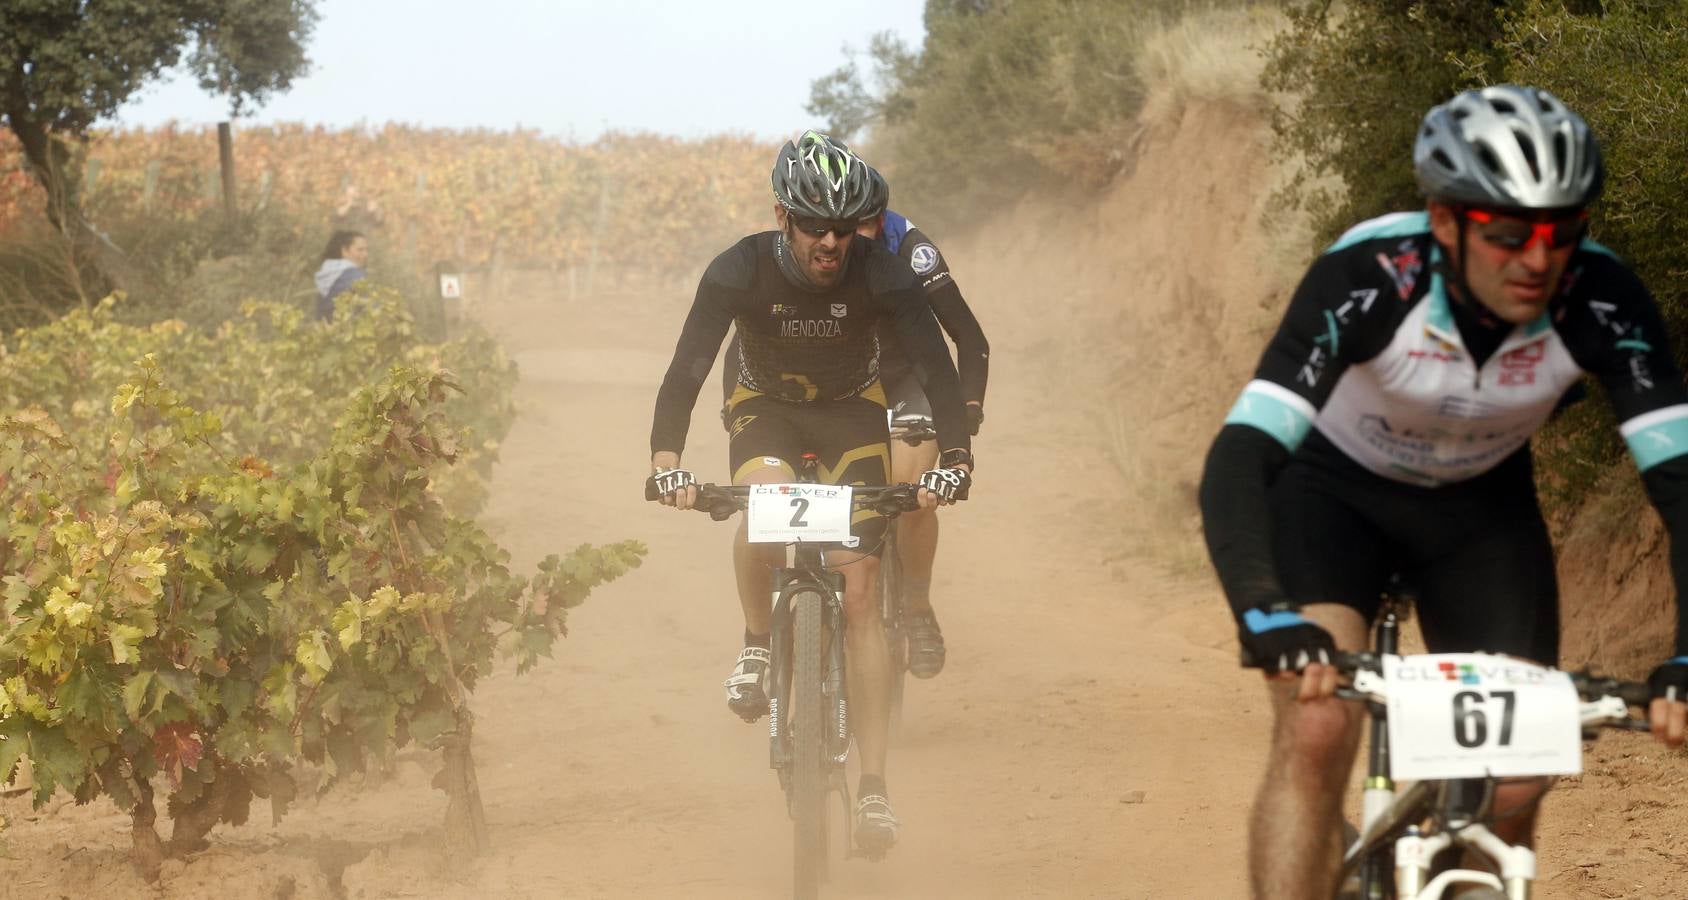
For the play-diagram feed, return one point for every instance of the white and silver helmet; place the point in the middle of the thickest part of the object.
(1507, 146)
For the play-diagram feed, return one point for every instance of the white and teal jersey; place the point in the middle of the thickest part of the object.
(1368, 353)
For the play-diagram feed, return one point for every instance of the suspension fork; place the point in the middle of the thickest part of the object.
(1379, 787)
(779, 668)
(836, 686)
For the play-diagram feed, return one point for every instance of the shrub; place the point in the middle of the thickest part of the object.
(223, 556)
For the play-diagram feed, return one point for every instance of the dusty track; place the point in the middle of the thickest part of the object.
(1081, 670)
(1059, 698)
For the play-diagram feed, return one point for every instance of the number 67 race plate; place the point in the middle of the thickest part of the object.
(782, 513)
(1470, 715)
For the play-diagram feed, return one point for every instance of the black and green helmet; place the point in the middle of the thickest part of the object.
(818, 176)
(878, 194)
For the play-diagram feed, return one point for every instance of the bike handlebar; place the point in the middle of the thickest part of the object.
(721, 501)
(1591, 688)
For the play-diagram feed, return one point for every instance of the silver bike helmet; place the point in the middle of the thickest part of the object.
(1507, 146)
(818, 176)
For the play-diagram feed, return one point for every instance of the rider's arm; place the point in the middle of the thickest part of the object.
(700, 341)
(730, 370)
(1618, 335)
(1667, 487)
(1334, 320)
(898, 295)
(972, 351)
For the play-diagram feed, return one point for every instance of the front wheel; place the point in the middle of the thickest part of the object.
(808, 743)
(894, 615)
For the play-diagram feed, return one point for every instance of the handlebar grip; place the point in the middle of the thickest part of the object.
(1635, 693)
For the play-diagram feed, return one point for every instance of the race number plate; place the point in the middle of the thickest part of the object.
(782, 513)
(1469, 715)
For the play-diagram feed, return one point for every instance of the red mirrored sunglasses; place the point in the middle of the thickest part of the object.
(1511, 233)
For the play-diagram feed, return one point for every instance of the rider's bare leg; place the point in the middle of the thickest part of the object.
(917, 531)
(1295, 831)
(1515, 807)
(753, 564)
(867, 658)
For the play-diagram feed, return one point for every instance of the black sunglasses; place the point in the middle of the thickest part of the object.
(819, 227)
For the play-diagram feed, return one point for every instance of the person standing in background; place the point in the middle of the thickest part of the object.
(343, 263)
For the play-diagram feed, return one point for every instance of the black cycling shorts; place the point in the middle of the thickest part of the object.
(907, 397)
(1477, 551)
(849, 438)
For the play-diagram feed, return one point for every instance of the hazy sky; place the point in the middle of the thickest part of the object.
(567, 67)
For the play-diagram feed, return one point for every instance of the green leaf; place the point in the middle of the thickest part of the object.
(56, 762)
(14, 741)
(124, 639)
(135, 694)
(428, 724)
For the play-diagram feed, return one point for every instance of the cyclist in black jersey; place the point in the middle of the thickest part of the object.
(807, 301)
(1387, 430)
(917, 532)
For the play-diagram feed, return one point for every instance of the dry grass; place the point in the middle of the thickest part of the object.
(1209, 55)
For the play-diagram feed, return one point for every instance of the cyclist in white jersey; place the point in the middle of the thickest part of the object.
(1387, 430)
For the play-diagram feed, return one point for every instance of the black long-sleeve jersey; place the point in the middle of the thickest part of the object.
(972, 351)
(800, 345)
(1368, 354)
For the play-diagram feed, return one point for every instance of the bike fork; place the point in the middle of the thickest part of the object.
(1379, 789)
(779, 665)
(835, 687)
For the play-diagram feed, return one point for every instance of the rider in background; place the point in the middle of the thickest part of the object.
(1387, 430)
(917, 532)
(807, 301)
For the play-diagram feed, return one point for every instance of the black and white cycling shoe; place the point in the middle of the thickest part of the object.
(745, 695)
(876, 828)
(925, 645)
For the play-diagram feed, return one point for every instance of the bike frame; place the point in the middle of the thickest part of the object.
(803, 581)
(1390, 819)
(807, 576)
(1461, 810)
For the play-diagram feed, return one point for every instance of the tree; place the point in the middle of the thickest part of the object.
(66, 64)
(848, 104)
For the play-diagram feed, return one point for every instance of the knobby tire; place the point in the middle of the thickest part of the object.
(896, 624)
(808, 744)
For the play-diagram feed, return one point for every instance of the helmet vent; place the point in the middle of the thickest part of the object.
(1561, 153)
(1489, 160)
(1502, 106)
(1529, 148)
(1443, 159)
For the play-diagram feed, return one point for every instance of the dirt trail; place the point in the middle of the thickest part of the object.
(1091, 657)
(1058, 700)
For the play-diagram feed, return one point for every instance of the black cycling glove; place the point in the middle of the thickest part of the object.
(1280, 640)
(949, 484)
(667, 483)
(1670, 680)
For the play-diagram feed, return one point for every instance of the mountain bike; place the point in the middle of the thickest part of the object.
(911, 429)
(809, 727)
(1467, 720)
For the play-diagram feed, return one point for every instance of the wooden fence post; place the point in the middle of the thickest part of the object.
(225, 158)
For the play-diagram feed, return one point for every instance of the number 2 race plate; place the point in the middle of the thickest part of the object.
(782, 513)
(1468, 715)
